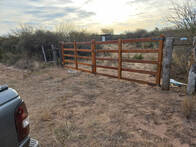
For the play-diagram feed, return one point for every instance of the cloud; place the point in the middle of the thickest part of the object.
(8, 22)
(51, 12)
(40, 12)
(139, 1)
(91, 14)
(87, 1)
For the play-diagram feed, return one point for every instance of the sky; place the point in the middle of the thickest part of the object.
(89, 15)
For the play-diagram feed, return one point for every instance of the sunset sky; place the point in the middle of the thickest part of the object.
(91, 15)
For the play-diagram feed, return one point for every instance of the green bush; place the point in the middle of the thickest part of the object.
(138, 56)
(29, 41)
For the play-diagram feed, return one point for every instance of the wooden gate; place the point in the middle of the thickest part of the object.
(72, 52)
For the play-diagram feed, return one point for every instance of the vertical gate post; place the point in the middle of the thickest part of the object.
(168, 49)
(75, 55)
(191, 87)
(93, 54)
(160, 58)
(119, 58)
(62, 53)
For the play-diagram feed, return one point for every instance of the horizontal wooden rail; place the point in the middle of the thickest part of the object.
(139, 81)
(116, 41)
(66, 55)
(140, 61)
(69, 61)
(84, 57)
(87, 64)
(128, 79)
(78, 50)
(107, 75)
(78, 43)
(81, 69)
(110, 59)
(104, 50)
(83, 50)
(139, 71)
(108, 67)
(141, 40)
(140, 51)
(107, 42)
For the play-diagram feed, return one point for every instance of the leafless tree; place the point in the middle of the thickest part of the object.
(183, 16)
(65, 28)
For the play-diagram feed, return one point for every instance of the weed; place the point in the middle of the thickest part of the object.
(68, 132)
(64, 132)
(138, 56)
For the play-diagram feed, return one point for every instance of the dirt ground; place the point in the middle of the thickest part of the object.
(76, 109)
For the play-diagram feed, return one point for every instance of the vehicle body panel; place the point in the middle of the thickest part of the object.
(9, 103)
(8, 135)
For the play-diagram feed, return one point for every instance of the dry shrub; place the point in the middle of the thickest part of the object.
(27, 64)
(180, 64)
(10, 58)
(45, 115)
(181, 61)
(188, 106)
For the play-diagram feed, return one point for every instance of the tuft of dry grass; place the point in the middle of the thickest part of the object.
(188, 106)
(67, 132)
(45, 115)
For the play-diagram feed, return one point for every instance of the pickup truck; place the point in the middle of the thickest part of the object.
(14, 120)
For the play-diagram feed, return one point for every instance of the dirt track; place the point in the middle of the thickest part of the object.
(80, 109)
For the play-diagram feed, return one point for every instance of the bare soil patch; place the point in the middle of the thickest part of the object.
(79, 109)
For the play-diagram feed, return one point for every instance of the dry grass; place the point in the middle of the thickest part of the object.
(66, 133)
(79, 109)
(180, 63)
(188, 106)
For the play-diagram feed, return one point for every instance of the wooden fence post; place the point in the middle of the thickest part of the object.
(160, 58)
(75, 55)
(168, 49)
(192, 72)
(119, 58)
(43, 51)
(93, 54)
(54, 54)
(62, 54)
